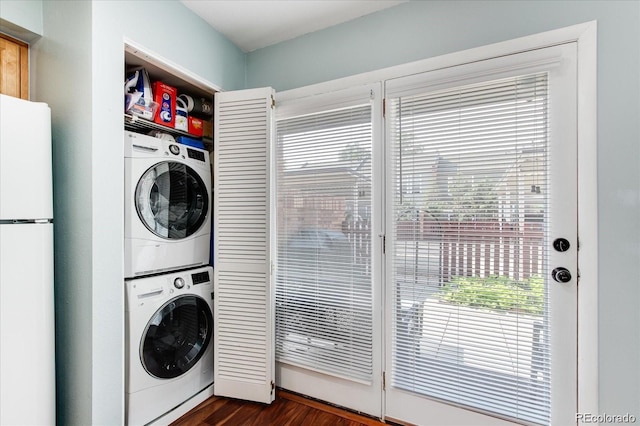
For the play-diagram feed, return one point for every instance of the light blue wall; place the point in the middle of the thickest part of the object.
(77, 66)
(61, 76)
(21, 18)
(423, 29)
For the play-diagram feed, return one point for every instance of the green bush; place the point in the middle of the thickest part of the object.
(496, 293)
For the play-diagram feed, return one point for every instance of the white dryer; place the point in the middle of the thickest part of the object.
(169, 342)
(167, 205)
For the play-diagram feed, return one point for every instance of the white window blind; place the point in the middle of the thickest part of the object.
(323, 288)
(469, 169)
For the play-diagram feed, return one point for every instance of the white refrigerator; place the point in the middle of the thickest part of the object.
(27, 348)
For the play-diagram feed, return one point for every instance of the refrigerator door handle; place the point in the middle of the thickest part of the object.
(23, 221)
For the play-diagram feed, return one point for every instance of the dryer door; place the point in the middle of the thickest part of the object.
(176, 337)
(172, 200)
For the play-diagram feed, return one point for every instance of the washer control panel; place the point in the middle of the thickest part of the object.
(178, 283)
(174, 149)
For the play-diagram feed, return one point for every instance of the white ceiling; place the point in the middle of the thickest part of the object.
(254, 24)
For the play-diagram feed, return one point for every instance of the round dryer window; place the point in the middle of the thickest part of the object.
(176, 337)
(172, 200)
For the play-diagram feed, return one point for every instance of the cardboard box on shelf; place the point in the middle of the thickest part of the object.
(185, 140)
(207, 129)
(165, 96)
(195, 126)
(182, 118)
(142, 107)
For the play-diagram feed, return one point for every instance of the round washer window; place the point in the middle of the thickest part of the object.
(176, 337)
(172, 200)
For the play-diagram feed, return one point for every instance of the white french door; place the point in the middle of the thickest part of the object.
(481, 213)
(328, 326)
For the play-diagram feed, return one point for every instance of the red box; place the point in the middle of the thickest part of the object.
(165, 96)
(196, 126)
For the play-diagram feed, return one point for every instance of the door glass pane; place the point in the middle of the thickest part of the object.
(323, 289)
(176, 337)
(172, 200)
(470, 223)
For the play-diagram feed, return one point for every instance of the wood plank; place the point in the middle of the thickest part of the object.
(14, 67)
(288, 409)
(317, 405)
(198, 415)
(24, 72)
(9, 71)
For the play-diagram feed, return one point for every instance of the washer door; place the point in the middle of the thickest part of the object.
(176, 337)
(172, 200)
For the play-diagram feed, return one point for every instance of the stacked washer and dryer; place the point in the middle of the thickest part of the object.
(168, 280)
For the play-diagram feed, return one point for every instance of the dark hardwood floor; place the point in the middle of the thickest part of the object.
(287, 410)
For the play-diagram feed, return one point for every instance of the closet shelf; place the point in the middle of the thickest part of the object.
(140, 125)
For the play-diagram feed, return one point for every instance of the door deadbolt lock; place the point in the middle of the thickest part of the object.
(561, 275)
(561, 244)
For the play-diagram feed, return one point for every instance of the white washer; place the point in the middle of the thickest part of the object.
(167, 205)
(169, 342)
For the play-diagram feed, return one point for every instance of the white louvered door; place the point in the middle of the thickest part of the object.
(243, 249)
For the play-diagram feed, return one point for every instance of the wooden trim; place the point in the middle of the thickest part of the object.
(14, 40)
(23, 90)
(24, 72)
